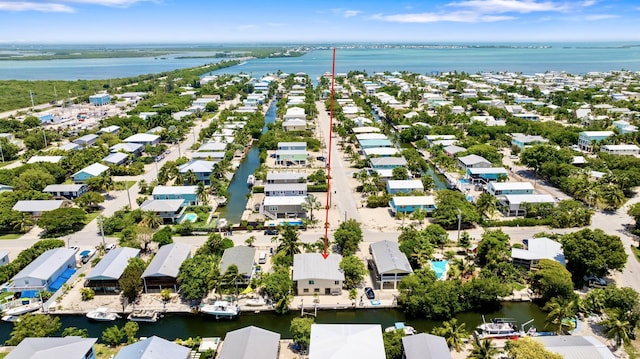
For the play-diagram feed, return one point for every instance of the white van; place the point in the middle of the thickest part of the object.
(262, 259)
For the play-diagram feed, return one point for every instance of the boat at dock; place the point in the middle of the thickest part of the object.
(502, 328)
(255, 302)
(221, 309)
(251, 180)
(102, 314)
(11, 318)
(150, 316)
(406, 330)
(23, 309)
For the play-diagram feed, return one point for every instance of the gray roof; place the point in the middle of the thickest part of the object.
(95, 169)
(126, 147)
(113, 264)
(212, 146)
(454, 149)
(86, 138)
(268, 187)
(389, 259)
(313, 266)
(241, 256)
(250, 343)
(157, 190)
(472, 160)
(167, 261)
(540, 248)
(197, 166)
(274, 176)
(346, 341)
(38, 205)
(154, 348)
(162, 205)
(576, 347)
(425, 346)
(388, 161)
(50, 159)
(47, 348)
(115, 157)
(46, 264)
(64, 187)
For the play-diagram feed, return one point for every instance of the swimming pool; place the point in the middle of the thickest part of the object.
(440, 267)
(191, 217)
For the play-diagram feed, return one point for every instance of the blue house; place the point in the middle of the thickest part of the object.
(364, 144)
(201, 168)
(521, 140)
(404, 186)
(485, 174)
(292, 146)
(100, 99)
(45, 117)
(409, 204)
(504, 188)
(186, 193)
(587, 138)
(91, 171)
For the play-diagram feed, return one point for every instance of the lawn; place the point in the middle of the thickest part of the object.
(2, 164)
(104, 352)
(91, 216)
(11, 236)
(636, 252)
(122, 185)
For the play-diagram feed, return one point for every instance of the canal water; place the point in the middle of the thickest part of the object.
(184, 326)
(238, 188)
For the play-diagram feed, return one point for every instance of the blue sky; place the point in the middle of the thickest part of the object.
(224, 21)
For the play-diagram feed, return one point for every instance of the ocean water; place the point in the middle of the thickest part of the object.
(577, 58)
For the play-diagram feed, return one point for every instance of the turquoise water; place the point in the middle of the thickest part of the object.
(191, 217)
(440, 267)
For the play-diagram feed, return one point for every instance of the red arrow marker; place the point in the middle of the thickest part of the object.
(325, 254)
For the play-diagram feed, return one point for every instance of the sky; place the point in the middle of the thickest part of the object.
(326, 21)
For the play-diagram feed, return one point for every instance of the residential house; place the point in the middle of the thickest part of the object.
(515, 204)
(383, 142)
(4, 258)
(389, 265)
(70, 147)
(285, 189)
(473, 161)
(212, 147)
(425, 346)
(86, 140)
(100, 99)
(521, 140)
(68, 191)
(404, 186)
(537, 249)
(586, 139)
(410, 204)
(188, 194)
(116, 159)
(481, 175)
(105, 275)
(201, 168)
(133, 148)
(313, 274)
(624, 127)
(621, 150)
(250, 343)
(346, 341)
(576, 346)
(379, 163)
(44, 271)
(143, 139)
(90, 171)
(502, 188)
(146, 115)
(432, 138)
(371, 136)
(453, 150)
(294, 125)
(38, 206)
(170, 210)
(286, 177)
(276, 207)
(5, 188)
(113, 130)
(154, 348)
(162, 272)
(291, 157)
(67, 347)
(214, 157)
(47, 159)
(292, 146)
(156, 130)
(243, 258)
(381, 152)
(365, 129)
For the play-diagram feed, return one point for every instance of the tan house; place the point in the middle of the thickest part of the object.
(315, 275)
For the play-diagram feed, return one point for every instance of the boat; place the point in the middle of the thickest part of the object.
(11, 318)
(502, 328)
(251, 180)
(256, 302)
(23, 309)
(150, 316)
(102, 314)
(221, 309)
(407, 330)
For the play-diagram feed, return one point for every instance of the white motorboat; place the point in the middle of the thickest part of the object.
(221, 309)
(407, 330)
(23, 309)
(501, 328)
(255, 302)
(150, 316)
(102, 315)
(11, 318)
(251, 180)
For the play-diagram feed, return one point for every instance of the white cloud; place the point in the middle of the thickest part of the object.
(247, 27)
(504, 6)
(346, 12)
(596, 17)
(32, 6)
(111, 3)
(587, 3)
(427, 17)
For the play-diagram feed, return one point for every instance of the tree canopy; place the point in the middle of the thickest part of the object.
(592, 252)
(348, 236)
(33, 326)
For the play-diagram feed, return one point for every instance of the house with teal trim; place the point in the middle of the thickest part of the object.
(100, 99)
(503, 188)
(381, 152)
(521, 140)
(404, 186)
(292, 146)
(201, 168)
(409, 204)
(482, 175)
(381, 163)
(186, 193)
(291, 157)
(364, 144)
(91, 171)
(67, 347)
(586, 139)
(624, 127)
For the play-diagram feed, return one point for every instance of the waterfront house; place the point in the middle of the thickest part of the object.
(409, 204)
(481, 175)
(189, 194)
(535, 250)
(276, 207)
(502, 188)
(452, 150)
(47, 159)
(86, 140)
(4, 258)
(154, 348)
(286, 177)
(162, 272)
(381, 152)
(143, 139)
(113, 129)
(380, 163)
(473, 161)
(521, 140)
(212, 147)
(425, 346)
(133, 148)
(53, 348)
(100, 99)
(586, 139)
(201, 168)
(624, 127)
(346, 341)
(432, 138)
(105, 275)
(370, 136)
(37, 206)
(70, 147)
(44, 271)
(313, 274)
(291, 157)
(389, 265)
(295, 113)
(572, 346)
(116, 159)
(170, 210)
(285, 189)
(365, 129)
(68, 191)
(214, 157)
(250, 343)
(292, 146)
(404, 186)
(383, 142)
(243, 258)
(294, 125)
(90, 171)
(515, 204)
(621, 150)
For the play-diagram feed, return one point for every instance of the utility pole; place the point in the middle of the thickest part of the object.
(128, 195)
(31, 96)
(459, 222)
(1, 152)
(102, 230)
(44, 133)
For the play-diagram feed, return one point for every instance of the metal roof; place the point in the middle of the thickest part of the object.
(113, 264)
(250, 343)
(472, 160)
(38, 205)
(154, 348)
(86, 138)
(115, 157)
(64, 187)
(529, 198)
(314, 266)
(285, 187)
(292, 144)
(166, 263)
(47, 348)
(283, 200)
(174, 190)
(197, 166)
(95, 169)
(142, 137)
(414, 200)
(126, 147)
(489, 170)
(371, 136)
(162, 205)
(381, 151)
(405, 184)
(389, 259)
(576, 347)
(241, 256)
(388, 161)
(49, 159)
(212, 146)
(511, 186)
(540, 248)
(274, 176)
(47, 264)
(425, 346)
(346, 341)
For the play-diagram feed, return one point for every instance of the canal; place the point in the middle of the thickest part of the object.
(191, 325)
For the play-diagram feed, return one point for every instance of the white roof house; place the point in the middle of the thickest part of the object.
(538, 248)
(529, 198)
(365, 129)
(381, 151)
(45, 269)
(576, 347)
(174, 190)
(116, 158)
(154, 348)
(346, 341)
(425, 346)
(109, 129)
(370, 136)
(126, 147)
(314, 266)
(411, 185)
(250, 343)
(166, 263)
(36, 207)
(283, 200)
(414, 201)
(162, 205)
(473, 161)
(112, 264)
(49, 348)
(197, 166)
(143, 138)
(212, 147)
(48, 159)
(93, 170)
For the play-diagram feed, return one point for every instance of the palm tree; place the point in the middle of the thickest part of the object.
(453, 333)
(290, 241)
(559, 309)
(617, 327)
(190, 177)
(310, 203)
(201, 193)
(150, 219)
(214, 279)
(487, 204)
(249, 241)
(483, 350)
(419, 215)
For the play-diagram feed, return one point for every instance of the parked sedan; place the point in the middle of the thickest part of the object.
(271, 232)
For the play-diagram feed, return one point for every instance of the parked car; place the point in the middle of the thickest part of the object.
(271, 232)
(75, 248)
(321, 158)
(86, 255)
(594, 281)
(368, 291)
(110, 247)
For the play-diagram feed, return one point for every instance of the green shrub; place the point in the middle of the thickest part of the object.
(87, 294)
